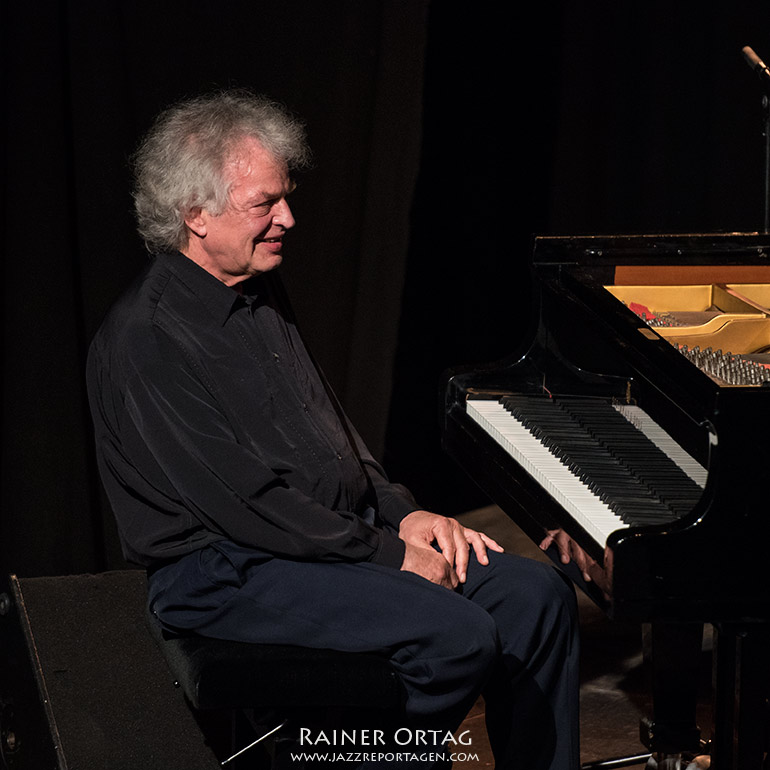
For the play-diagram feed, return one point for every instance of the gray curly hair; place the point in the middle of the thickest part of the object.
(179, 164)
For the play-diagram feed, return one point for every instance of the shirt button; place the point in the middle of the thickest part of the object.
(339, 456)
(276, 357)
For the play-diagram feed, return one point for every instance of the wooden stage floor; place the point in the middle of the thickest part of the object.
(614, 692)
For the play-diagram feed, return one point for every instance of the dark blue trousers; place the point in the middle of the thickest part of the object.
(509, 633)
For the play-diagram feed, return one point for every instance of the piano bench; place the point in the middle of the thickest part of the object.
(280, 685)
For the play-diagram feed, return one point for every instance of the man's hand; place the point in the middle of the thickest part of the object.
(422, 529)
(430, 564)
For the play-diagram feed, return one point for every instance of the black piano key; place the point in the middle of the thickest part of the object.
(613, 458)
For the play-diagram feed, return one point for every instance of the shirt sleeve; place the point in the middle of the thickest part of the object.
(394, 501)
(228, 488)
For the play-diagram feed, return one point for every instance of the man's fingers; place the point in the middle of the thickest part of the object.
(459, 550)
(422, 528)
(490, 543)
(430, 565)
(446, 543)
(461, 563)
(477, 541)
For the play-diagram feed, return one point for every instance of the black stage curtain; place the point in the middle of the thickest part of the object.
(445, 135)
(599, 116)
(83, 81)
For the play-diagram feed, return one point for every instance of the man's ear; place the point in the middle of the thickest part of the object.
(196, 221)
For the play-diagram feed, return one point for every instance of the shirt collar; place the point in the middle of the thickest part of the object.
(220, 300)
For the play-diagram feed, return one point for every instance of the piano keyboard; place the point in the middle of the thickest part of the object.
(610, 467)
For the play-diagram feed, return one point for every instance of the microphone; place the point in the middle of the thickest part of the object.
(758, 66)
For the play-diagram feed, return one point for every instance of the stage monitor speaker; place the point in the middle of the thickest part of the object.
(83, 685)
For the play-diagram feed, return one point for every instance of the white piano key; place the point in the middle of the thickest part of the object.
(557, 479)
(641, 420)
(568, 490)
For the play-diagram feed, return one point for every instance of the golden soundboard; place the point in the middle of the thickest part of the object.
(724, 329)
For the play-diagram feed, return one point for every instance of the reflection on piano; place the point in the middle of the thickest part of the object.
(636, 417)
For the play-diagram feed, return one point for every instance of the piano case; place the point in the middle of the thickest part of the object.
(645, 376)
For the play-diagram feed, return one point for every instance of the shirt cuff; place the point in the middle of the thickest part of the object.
(397, 507)
(391, 552)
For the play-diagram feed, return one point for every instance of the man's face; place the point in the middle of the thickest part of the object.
(247, 238)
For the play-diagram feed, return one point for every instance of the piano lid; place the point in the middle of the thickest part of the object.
(679, 250)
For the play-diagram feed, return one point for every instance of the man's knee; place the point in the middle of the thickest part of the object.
(558, 592)
(534, 584)
(466, 642)
(482, 642)
(527, 598)
(551, 599)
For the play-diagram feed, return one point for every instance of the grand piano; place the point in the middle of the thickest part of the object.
(635, 417)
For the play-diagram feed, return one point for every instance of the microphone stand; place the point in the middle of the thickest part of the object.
(762, 70)
(766, 110)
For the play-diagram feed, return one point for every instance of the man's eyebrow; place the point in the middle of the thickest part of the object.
(263, 196)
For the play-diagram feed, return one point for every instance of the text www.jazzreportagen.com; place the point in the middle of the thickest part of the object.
(379, 756)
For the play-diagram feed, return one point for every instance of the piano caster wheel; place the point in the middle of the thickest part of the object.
(676, 762)
(665, 762)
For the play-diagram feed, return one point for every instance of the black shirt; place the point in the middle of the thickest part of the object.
(212, 422)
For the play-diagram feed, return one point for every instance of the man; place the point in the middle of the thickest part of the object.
(239, 484)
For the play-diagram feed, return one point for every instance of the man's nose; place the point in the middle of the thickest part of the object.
(282, 215)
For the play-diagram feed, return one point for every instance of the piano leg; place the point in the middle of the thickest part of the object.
(674, 650)
(742, 683)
